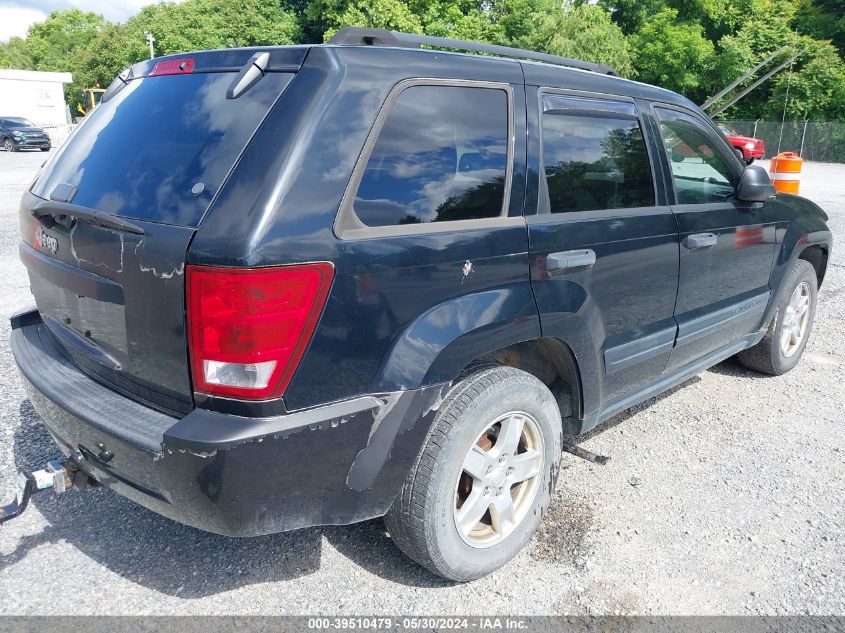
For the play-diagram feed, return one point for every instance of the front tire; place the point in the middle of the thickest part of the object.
(785, 339)
(9, 146)
(483, 478)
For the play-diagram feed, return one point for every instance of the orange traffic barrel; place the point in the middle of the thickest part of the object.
(785, 171)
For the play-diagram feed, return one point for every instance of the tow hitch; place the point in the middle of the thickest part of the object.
(58, 475)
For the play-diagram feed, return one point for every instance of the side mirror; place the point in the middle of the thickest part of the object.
(755, 185)
(739, 154)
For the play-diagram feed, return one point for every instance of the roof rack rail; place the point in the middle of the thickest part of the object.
(363, 36)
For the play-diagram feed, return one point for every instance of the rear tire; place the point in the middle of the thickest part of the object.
(502, 424)
(45, 149)
(785, 339)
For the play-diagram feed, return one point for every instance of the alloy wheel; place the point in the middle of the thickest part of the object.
(796, 319)
(499, 480)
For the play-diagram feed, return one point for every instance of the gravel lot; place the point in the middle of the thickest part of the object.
(740, 507)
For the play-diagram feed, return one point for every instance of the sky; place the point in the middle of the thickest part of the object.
(17, 15)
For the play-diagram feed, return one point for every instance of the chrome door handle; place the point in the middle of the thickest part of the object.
(701, 240)
(567, 260)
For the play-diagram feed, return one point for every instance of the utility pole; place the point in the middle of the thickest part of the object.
(150, 40)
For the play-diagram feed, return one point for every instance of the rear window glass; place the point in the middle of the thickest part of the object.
(594, 155)
(161, 148)
(441, 156)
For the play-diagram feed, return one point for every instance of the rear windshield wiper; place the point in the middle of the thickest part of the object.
(65, 212)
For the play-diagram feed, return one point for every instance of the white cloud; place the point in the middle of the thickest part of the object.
(16, 20)
(114, 10)
(17, 15)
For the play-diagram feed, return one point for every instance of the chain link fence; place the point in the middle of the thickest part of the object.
(822, 141)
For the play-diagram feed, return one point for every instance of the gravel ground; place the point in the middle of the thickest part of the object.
(738, 507)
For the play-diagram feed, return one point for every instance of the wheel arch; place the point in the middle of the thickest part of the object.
(503, 328)
(442, 342)
(551, 361)
(800, 242)
(817, 255)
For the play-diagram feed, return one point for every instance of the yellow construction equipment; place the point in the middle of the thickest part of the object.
(91, 97)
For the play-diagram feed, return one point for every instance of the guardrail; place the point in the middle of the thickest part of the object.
(58, 133)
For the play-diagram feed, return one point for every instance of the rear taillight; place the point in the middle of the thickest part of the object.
(248, 328)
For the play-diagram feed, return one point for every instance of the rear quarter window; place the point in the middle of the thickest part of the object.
(441, 155)
(162, 147)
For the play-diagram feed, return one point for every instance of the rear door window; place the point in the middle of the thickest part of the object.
(594, 155)
(162, 147)
(442, 155)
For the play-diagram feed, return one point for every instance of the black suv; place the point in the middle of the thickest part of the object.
(293, 286)
(17, 133)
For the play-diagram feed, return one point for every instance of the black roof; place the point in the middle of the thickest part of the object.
(363, 36)
(537, 73)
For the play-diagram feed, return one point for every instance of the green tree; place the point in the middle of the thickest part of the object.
(673, 54)
(717, 17)
(204, 24)
(192, 25)
(815, 89)
(105, 56)
(56, 43)
(517, 19)
(580, 31)
(14, 54)
(330, 15)
(692, 46)
(823, 19)
(767, 28)
(630, 15)
(465, 19)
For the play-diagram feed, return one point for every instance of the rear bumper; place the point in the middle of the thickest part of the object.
(335, 464)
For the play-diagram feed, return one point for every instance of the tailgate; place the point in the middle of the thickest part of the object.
(115, 303)
(117, 206)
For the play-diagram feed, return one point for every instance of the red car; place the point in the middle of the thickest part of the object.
(751, 148)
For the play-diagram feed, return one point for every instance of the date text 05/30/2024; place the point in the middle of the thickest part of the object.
(479, 623)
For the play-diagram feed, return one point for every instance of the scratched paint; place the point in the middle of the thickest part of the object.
(79, 259)
(173, 272)
(467, 270)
